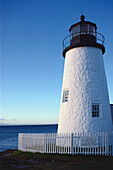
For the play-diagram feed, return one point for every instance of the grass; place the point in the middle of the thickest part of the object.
(59, 157)
(28, 160)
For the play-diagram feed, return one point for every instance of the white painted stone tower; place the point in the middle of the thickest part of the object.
(85, 103)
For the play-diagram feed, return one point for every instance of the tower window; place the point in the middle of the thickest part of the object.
(65, 95)
(95, 110)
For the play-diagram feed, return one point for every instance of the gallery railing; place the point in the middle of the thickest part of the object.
(83, 37)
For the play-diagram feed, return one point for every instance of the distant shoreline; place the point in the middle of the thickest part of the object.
(32, 125)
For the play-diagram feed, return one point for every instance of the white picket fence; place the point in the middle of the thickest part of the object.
(74, 143)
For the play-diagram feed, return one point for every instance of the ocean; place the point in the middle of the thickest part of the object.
(9, 134)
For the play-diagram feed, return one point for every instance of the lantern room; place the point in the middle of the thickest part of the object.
(83, 33)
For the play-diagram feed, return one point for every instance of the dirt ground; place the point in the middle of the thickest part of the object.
(9, 161)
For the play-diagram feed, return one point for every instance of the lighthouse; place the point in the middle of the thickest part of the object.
(84, 103)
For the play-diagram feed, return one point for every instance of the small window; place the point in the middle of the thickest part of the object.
(65, 95)
(95, 110)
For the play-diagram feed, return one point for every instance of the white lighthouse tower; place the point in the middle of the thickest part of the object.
(85, 103)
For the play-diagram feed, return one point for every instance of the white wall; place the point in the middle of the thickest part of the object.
(85, 78)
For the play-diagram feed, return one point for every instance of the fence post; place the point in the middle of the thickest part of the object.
(72, 149)
(106, 143)
(19, 142)
(44, 143)
(112, 143)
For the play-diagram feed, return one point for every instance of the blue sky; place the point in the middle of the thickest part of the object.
(31, 63)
